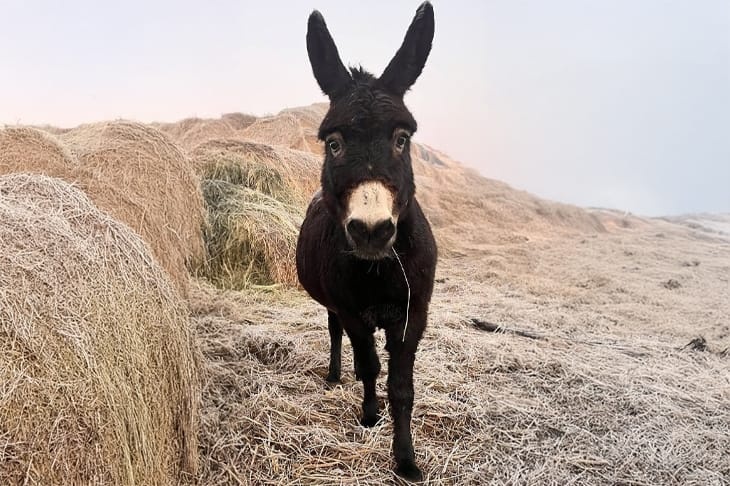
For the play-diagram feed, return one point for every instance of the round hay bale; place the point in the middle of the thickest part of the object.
(299, 170)
(238, 121)
(207, 130)
(282, 130)
(26, 149)
(99, 367)
(135, 173)
(309, 118)
(177, 129)
(240, 170)
(250, 236)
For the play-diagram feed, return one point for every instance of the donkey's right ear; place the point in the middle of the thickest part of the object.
(406, 66)
(327, 66)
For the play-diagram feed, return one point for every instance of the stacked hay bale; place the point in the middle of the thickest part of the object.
(99, 369)
(255, 196)
(309, 118)
(132, 171)
(283, 129)
(191, 132)
(26, 149)
(299, 171)
(238, 121)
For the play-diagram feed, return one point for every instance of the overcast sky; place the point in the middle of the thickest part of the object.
(622, 104)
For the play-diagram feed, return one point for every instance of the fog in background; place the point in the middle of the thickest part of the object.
(622, 104)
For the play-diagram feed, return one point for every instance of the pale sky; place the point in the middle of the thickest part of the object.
(620, 103)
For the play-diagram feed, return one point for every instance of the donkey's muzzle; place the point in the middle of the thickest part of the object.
(371, 242)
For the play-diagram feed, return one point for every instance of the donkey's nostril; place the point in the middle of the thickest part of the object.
(373, 237)
(383, 231)
(358, 231)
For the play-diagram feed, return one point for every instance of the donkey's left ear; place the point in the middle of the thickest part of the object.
(327, 66)
(406, 66)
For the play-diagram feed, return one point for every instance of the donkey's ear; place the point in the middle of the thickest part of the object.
(327, 66)
(408, 62)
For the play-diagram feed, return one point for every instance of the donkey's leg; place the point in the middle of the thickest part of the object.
(333, 323)
(367, 368)
(400, 396)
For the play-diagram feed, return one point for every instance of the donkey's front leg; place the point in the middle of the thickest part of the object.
(400, 395)
(335, 329)
(367, 368)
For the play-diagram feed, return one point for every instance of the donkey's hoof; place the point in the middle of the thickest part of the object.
(332, 380)
(407, 469)
(370, 420)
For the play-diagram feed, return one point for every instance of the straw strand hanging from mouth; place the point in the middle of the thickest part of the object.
(408, 286)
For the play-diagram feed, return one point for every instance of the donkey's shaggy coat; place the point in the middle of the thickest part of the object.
(365, 223)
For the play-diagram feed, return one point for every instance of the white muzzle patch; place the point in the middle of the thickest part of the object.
(371, 202)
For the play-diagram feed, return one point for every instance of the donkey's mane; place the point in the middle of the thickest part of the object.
(361, 76)
(365, 107)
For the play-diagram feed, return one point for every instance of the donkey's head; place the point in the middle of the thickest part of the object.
(367, 178)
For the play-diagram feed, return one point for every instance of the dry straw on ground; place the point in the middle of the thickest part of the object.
(99, 368)
(610, 396)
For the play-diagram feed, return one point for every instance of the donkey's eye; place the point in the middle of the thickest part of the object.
(400, 141)
(334, 146)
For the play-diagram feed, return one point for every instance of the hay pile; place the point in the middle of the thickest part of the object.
(191, 132)
(238, 121)
(299, 170)
(251, 236)
(468, 211)
(282, 130)
(254, 214)
(205, 130)
(129, 170)
(26, 149)
(143, 179)
(246, 165)
(98, 369)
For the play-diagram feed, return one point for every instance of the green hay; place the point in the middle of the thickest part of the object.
(243, 171)
(250, 236)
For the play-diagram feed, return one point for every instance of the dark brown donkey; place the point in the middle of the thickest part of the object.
(366, 251)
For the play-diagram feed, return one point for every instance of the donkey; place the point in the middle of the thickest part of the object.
(365, 250)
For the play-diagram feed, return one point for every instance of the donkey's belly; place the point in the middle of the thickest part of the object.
(383, 315)
(313, 250)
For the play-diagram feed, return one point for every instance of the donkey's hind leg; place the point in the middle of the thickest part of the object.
(335, 328)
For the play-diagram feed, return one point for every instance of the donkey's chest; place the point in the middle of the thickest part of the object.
(376, 294)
